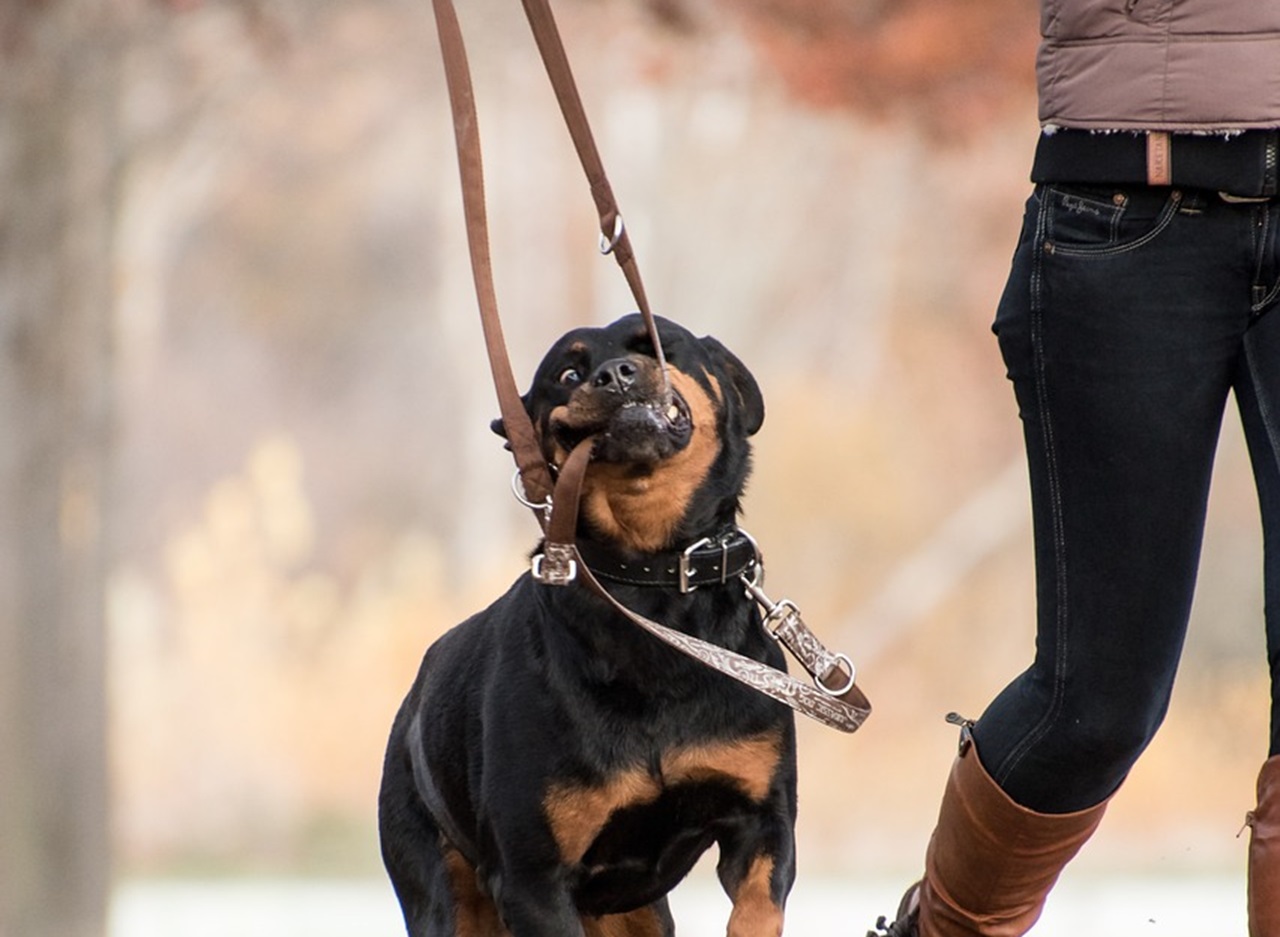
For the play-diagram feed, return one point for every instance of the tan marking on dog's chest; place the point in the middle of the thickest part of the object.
(750, 763)
(577, 813)
(643, 511)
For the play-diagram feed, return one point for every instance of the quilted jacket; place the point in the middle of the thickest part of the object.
(1180, 65)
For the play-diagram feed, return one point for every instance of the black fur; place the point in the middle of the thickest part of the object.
(548, 715)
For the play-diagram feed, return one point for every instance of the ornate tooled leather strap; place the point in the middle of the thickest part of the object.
(846, 711)
(844, 708)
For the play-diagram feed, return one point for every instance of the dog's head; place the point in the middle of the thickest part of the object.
(664, 469)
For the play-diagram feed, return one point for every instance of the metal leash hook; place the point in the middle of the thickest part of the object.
(783, 622)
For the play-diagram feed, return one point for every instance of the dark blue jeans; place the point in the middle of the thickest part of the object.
(1129, 316)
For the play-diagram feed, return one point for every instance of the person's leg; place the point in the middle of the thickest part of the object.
(1258, 393)
(1120, 329)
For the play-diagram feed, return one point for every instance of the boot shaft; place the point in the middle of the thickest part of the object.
(991, 862)
(1264, 854)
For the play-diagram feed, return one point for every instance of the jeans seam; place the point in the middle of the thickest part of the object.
(1266, 300)
(1264, 405)
(1163, 221)
(1041, 729)
(1260, 250)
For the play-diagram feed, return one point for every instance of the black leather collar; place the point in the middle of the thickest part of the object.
(711, 561)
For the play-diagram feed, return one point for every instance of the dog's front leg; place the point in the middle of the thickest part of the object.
(537, 906)
(757, 872)
(757, 911)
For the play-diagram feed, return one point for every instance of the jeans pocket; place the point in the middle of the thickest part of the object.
(1090, 220)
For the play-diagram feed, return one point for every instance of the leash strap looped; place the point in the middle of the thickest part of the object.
(534, 474)
(613, 233)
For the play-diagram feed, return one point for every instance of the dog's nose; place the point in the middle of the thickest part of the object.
(616, 375)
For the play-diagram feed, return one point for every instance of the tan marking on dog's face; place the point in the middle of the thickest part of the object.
(578, 813)
(754, 912)
(552, 451)
(642, 512)
(643, 922)
(475, 914)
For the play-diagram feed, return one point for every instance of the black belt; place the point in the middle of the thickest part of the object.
(1242, 164)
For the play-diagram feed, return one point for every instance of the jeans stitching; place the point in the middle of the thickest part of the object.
(1264, 404)
(1041, 729)
(1163, 221)
(1260, 250)
(1266, 300)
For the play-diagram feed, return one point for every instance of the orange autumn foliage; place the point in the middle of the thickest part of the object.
(952, 64)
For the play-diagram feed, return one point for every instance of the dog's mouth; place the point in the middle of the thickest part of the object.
(639, 431)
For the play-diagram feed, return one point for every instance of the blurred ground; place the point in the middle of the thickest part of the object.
(1097, 907)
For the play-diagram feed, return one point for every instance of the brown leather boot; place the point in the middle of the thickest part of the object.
(1264, 854)
(991, 863)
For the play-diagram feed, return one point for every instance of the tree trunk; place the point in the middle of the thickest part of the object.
(57, 152)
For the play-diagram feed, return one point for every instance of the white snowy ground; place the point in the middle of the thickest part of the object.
(1115, 907)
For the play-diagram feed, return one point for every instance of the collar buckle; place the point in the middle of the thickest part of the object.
(688, 570)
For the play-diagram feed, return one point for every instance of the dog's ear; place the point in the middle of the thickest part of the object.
(500, 429)
(750, 401)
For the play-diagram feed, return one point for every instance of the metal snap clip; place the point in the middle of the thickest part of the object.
(608, 244)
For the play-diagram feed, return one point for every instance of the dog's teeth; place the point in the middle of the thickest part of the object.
(673, 413)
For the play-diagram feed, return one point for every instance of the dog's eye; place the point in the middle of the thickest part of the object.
(570, 376)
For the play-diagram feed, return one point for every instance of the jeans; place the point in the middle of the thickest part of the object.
(1128, 317)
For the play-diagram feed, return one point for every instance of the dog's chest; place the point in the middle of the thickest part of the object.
(740, 771)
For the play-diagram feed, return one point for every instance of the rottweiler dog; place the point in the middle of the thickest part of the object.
(555, 770)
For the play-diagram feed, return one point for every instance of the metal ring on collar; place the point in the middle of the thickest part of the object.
(839, 691)
(517, 489)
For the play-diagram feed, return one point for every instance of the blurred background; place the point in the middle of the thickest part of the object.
(246, 474)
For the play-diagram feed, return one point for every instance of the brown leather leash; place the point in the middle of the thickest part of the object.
(613, 232)
(555, 503)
